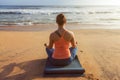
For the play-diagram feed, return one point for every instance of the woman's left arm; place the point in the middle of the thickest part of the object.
(50, 42)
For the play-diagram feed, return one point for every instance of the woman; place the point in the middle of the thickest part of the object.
(62, 54)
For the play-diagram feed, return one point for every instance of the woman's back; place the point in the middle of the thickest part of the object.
(62, 44)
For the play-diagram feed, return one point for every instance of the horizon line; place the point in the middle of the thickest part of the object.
(55, 5)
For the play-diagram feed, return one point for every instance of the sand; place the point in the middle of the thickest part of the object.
(23, 56)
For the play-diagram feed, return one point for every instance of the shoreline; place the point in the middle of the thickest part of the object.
(45, 27)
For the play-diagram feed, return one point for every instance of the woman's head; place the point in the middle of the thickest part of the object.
(60, 19)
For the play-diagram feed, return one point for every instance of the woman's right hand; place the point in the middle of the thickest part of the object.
(76, 42)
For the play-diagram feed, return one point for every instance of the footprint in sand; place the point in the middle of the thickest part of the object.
(90, 77)
(81, 51)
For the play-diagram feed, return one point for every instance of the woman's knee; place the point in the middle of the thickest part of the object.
(73, 52)
(49, 51)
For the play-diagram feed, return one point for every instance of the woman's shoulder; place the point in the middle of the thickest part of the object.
(68, 35)
(53, 35)
(68, 32)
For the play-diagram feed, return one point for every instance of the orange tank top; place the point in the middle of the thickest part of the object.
(61, 49)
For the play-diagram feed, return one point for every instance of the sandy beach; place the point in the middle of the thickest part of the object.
(23, 56)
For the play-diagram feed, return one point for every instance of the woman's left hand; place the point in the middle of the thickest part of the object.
(45, 45)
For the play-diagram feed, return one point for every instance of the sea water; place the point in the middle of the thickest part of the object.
(28, 15)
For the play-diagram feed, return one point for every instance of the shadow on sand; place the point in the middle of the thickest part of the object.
(32, 69)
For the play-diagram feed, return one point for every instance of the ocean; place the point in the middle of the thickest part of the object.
(29, 15)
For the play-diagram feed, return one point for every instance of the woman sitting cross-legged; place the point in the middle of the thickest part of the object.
(64, 50)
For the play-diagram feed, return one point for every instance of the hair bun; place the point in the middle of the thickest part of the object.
(60, 19)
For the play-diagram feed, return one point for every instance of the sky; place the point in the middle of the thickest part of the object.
(59, 2)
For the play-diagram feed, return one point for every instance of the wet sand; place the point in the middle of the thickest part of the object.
(23, 56)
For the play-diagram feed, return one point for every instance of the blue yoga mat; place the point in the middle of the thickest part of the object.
(73, 68)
